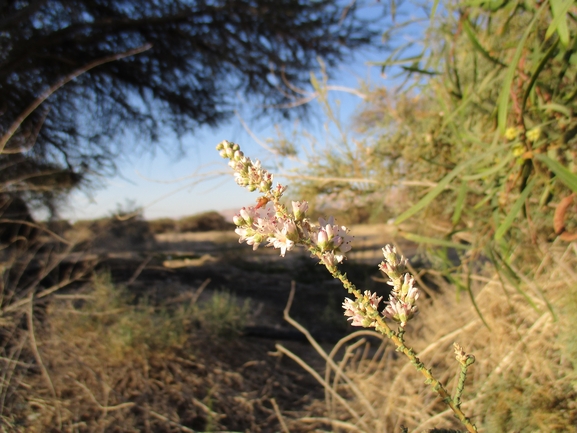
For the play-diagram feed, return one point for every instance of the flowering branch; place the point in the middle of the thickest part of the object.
(329, 243)
(465, 361)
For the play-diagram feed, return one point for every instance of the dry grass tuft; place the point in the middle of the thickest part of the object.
(94, 361)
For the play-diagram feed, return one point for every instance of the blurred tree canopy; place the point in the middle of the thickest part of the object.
(477, 147)
(177, 64)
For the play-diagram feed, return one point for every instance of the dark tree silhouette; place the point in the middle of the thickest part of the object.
(202, 55)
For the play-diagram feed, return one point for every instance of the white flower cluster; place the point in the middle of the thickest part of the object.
(332, 240)
(356, 311)
(256, 226)
(401, 306)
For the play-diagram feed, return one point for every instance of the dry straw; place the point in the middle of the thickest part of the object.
(523, 362)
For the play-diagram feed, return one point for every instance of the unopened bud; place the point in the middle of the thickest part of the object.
(322, 239)
(408, 283)
(390, 254)
(264, 186)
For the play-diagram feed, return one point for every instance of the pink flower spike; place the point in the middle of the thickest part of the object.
(399, 311)
(374, 300)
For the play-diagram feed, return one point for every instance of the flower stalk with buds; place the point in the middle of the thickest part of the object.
(329, 243)
(465, 361)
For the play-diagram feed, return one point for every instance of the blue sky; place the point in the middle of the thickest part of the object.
(168, 185)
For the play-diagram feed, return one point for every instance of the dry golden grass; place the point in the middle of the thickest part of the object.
(94, 361)
(523, 379)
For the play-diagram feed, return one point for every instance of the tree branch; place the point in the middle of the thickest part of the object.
(64, 80)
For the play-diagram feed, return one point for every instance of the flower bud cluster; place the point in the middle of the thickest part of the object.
(256, 226)
(533, 134)
(284, 231)
(357, 311)
(246, 173)
(401, 306)
(463, 358)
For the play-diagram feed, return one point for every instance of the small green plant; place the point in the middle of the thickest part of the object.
(128, 325)
(223, 315)
(329, 243)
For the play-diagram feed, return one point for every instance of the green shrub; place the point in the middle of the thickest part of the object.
(112, 312)
(204, 222)
(162, 225)
(117, 233)
(125, 325)
(222, 315)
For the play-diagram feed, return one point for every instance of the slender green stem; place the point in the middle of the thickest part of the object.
(460, 386)
(462, 377)
(370, 311)
(397, 338)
